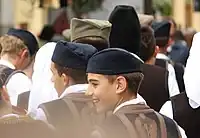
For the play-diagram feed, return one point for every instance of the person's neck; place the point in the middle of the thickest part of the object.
(9, 59)
(126, 97)
(71, 83)
(151, 61)
(29, 70)
(163, 51)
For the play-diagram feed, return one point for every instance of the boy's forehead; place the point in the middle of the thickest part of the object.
(93, 76)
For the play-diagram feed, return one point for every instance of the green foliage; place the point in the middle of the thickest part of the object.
(85, 6)
(164, 6)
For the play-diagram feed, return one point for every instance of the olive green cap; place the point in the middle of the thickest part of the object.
(81, 28)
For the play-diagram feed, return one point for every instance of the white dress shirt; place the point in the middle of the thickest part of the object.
(172, 82)
(39, 114)
(168, 111)
(138, 100)
(17, 84)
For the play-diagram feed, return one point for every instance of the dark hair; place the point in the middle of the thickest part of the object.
(78, 76)
(148, 43)
(47, 33)
(162, 42)
(178, 35)
(97, 42)
(133, 80)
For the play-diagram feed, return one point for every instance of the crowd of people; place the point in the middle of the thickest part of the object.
(130, 76)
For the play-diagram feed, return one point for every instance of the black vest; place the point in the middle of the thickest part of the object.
(179, 71)
(187, 117)
(154, 85)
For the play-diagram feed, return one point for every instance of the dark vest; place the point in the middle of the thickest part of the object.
(155, 84)
(187, 117)
(138, 121)
(5, 74)
(179, 71)
(71, 114)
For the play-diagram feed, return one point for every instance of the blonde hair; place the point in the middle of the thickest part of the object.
(11, 45)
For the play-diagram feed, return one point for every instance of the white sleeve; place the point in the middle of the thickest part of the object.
(172, 82)
(17, 84)
(38, 114)
(168, 111)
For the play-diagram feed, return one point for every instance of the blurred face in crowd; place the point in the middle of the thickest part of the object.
(59, 80)
(106, 93)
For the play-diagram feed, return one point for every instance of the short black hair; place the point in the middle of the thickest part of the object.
(79, 76)
(133, 80)
(148, 43)
(178, 35)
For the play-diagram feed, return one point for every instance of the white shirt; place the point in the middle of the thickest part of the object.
(39, 114)
(168, 111)
(42, 90)
(138, 100)
(17, 84)
(172, 82)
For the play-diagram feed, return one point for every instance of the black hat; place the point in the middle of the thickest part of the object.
(161, 32)
(47, 33)
(125, 31)
(113, 61)
(72, 55)
(27, 37)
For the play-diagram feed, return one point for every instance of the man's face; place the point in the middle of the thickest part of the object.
(103, 92)
(59, 81)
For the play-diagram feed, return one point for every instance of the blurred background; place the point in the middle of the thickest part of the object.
(35, 14)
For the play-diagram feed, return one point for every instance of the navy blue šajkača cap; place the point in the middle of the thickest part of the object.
(114, 61)
(73, 55)
(161, 32)
(27, 37)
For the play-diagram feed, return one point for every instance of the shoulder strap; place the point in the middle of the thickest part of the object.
(13, 73)
(162, 63)
(172, 128)
(179, 71)
(23, 100)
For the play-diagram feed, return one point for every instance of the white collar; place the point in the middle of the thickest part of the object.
(138, 100)
(162, 56)
(74, 89)
(7, 63)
